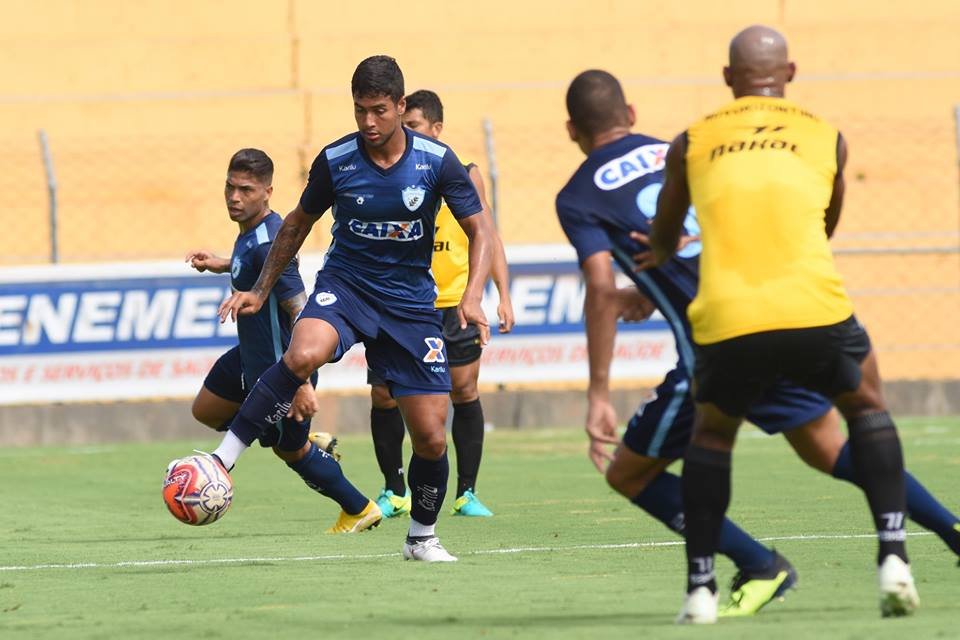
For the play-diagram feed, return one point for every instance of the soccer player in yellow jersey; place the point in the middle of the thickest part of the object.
(766, 180)
(424, 114)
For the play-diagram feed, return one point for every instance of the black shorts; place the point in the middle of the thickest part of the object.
(733, 374)
(463, 345)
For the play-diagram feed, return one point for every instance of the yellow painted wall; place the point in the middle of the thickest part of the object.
(144, 102)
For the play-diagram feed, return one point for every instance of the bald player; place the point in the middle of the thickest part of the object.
(766, 179)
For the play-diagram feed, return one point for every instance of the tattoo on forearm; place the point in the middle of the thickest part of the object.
(289, 239)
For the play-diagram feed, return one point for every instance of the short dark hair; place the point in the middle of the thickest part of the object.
(428, 102)
(252, 161)
(378, 76)
(596, 103)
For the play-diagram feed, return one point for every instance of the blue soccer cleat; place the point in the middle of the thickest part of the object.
(392, 505)
(469, 505)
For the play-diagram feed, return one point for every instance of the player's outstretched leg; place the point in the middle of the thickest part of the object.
(877, 461)
(922, 507)
(763, 575)
(322, 473)
(387, 430)
(425, 416)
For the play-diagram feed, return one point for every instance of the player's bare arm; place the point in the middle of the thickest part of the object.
(304, 404)
(203, 260)
(601, 308)
(296, 226)
(832, 216)
(667, 226)
(479, 232)
(498, 260)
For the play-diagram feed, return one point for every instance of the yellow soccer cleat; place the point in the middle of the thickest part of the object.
(325, 442)
(751, 592)
(369, 518)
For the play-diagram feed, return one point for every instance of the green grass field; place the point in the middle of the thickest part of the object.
(563, 558)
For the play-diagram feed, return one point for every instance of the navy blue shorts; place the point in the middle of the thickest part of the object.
(226, 380)
(663, 424)
(405, 347)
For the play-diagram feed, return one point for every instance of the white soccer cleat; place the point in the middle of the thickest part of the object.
(429, 550)
(699, 607)
(898, 594)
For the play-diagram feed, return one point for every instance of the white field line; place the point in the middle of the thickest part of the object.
(376, 556)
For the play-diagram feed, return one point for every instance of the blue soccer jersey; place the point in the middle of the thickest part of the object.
(615, 192)
(264, 335)
(384, 218)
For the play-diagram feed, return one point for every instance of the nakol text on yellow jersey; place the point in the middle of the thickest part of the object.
(761, 172)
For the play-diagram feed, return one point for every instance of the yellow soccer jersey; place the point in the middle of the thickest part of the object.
(451, 258)
(761, 173)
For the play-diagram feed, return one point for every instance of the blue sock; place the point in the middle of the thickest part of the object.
(922, 507)
(663, 500)
(268, 402)
(428, 484)
(323, 474)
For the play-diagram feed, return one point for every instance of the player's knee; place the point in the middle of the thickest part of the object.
(430, 446)
(201, 415)
(619, 480)
(303, 361)
(380, 397)
(464, 392)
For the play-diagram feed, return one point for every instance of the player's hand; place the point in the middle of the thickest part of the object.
(602, 430)
(470, 312)
(505, 314)
(241, 303)
(634, 306)
(645, 259)
(205, 261)
(304, 403)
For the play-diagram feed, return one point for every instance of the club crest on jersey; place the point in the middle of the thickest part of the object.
(435, 353)
(235, 268)
(399, 231)
(643, 160)
(413, 197)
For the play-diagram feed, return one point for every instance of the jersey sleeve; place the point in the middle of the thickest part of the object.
(289, 283)
(457, 188)
(318, 195)
(586, 236)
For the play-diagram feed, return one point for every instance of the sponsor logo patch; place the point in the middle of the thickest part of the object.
(639, 162)
(435, 353)
(397, 230)
(326, 298)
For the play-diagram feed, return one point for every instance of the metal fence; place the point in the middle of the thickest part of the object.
(103, 197)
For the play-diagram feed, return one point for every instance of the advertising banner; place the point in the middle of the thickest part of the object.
(150, 330)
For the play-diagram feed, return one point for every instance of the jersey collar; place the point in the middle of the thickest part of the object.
(373, 165)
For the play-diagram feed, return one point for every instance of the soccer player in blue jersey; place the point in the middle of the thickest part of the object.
(384, 184)
(610, 197)
(262, 338)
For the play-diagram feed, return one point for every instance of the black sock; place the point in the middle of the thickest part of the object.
(468, 443)
(386, 427)
(428, 484)
(706, 495)
(878, 468)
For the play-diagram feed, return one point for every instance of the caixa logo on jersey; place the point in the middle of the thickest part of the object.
(397, 230)
(639, 162)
